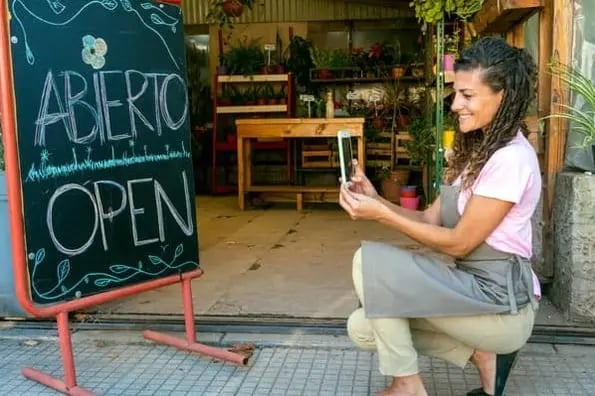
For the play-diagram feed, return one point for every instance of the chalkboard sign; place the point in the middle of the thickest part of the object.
(104, 148)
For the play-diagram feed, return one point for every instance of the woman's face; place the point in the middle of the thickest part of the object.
(474, 103)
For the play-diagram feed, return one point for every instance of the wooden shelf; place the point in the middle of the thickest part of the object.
(368, 80)
(251, 109)
(254, 78)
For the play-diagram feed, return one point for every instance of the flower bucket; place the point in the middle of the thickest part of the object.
(409, 202)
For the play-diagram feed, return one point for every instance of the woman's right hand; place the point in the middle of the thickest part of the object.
(360, 182)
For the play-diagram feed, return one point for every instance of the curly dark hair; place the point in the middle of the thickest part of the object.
(503, 68)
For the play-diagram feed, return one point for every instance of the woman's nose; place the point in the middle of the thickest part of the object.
(456, 104)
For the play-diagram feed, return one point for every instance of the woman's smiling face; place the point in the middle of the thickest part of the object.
(475, 103)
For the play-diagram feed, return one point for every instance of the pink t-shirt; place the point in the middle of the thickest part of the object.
(511, 174)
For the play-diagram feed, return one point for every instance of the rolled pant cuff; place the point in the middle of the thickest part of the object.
(393, 368)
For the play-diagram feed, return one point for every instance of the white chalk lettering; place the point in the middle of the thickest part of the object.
(107, 104)
(163, 103)
(132, 109)
(166, 104)
(121, 196)
(76, 100)
(50, 219)
(135, 212)
(43, 117)
(161, 196)
(111, 213)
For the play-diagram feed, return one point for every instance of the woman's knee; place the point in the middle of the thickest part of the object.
(359, 330)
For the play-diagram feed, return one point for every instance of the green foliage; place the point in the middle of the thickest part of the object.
(323, 58)
(245, 58)
(583, 118)
(432, 11)
(422, 142)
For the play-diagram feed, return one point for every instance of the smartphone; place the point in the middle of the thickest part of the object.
(345, 155)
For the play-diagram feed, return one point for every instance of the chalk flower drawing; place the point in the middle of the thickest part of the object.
(94, 51)
(117, 274)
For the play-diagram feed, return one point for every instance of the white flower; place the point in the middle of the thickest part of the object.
(94, 51)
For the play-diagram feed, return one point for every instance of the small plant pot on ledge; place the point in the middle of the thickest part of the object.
(232, 8)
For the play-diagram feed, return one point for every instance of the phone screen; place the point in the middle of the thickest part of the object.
(347, 158)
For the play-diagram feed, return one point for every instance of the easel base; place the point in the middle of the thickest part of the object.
(68, 386)
(196, 347)
(54, 383)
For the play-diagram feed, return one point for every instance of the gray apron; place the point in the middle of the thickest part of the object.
(402, 283)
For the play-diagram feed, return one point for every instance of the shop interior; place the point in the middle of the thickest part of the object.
(274, 243)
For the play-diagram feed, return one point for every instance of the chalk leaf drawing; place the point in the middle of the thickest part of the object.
(94, 51)
(117, 273)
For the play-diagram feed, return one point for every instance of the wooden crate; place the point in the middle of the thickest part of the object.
(402, 156)
(380, 153)
(318, 156)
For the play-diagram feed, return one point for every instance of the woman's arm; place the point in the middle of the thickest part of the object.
(431, 215)
(481, 217)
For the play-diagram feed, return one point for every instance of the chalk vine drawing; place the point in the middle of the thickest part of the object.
(117, 274)
(157, 17)
(48, 171)
(94, 51)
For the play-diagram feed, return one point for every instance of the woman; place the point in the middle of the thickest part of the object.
(486, 304)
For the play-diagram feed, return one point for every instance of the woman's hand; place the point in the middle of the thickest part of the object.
(361, 206)
(360, 183)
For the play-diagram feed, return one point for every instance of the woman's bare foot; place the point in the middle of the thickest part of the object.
(486, 365)
(410, 385)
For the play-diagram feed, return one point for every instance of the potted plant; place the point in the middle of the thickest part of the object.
(421, 145)
(323, 61)
(299, 60)
(221, 12)
(245, 58)
(581, 115)
(391, 181)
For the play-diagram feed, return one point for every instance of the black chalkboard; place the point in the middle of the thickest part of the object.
(104, 144)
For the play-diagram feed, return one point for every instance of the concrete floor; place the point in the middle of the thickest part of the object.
(274, 262)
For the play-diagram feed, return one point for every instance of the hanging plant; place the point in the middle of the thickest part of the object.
(221, 12)
(432, 11)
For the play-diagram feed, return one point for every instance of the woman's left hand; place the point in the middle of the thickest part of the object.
(360, 206)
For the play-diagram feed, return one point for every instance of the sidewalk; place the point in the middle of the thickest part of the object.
(122, 363)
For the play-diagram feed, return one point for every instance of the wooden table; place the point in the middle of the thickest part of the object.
(248, 129)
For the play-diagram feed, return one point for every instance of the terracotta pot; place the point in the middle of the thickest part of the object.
(261, 101)
(391, 185)
(377, 123)
(232, 8)
(324, 74)
(398, 72)
(271, 101)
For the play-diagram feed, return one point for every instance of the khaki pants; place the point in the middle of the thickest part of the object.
(399, 340)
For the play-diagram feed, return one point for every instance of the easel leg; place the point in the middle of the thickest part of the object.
(190, 343)
(68, 386)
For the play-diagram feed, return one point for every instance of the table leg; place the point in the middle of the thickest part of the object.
(241, 182)
(361, 153)
(248, 165)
